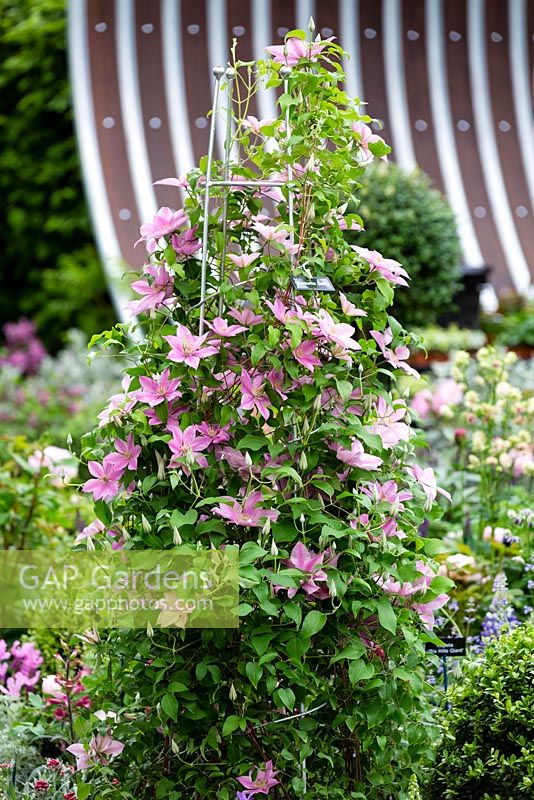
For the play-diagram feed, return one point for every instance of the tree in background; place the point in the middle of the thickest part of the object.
(48, 263)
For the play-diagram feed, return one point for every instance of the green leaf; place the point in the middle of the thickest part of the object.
(254, 673)
(250, 552)
(386, 615)
(314, 621)
(287, 698)
(360, 671)
(179, 519)
(345, 389)
(251, 442)
(169, 705)
(294, 612)
(231, 724)
(83, 790)
(441, 584)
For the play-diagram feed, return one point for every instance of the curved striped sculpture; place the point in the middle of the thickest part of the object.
(450, 79)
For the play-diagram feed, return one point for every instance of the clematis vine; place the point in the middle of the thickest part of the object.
(388, 267)
(253, 395)
(295, 49)
(396, 358)
(158, 389)
(356, 456)
(165, 222)
(104, 485)
(312, 564)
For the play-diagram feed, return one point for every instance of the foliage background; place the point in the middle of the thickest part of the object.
(48, 263)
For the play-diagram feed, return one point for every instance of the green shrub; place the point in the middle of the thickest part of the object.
(407, 220)
(487, 750)
(48, 263)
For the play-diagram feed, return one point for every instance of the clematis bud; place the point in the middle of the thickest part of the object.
(274, 548)
(232, 694)
(69, 439)
(266, 527)
(248, 460)
(303, 461)
(149, 630)
(311, 25)
(317, 403)
(161, 466)
(176, 538)
(147, 527)
(302, 519)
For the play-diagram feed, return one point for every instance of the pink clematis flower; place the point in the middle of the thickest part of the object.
(210, 434)
(396, 359)
(349, 308)
(157, 286)
(104, 485)
(166, 221)
(294, 49)
(388, 423)
(265, 779)
(356, 457)
(337, 332)
(186, 348)
(387, 492)
(275, 378)
(179, 183)
(426, 610)
(126, 455)
(427, 480)
(186, 447)
(244, 260)
(155, 390)
(255, 124)
(186, 243)
(247, 513)
(275, 234)
(422, 403)
(90, 531)
(221, 327)
(365, 138)
(99, 748)
(246, 316)
(447, 392)
(253, 396)
(305, 355)
(390, 269)
(312, 564)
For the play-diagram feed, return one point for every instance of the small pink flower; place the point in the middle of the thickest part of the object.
(90, 531)
(388, 423)
(247, 513)
(246, 316)
(312, 564)
(186, 447)
(349, 308)
(305, 355)
(210, 434)
(294, 49)
(275, 378)
(186, 243)
(390, 269)
(337, 332)
(157, 286)
(396, 359)
(244, 260)
(126, 455)
(365, 138)
(99, 747)
(253, 395)
(265, 779)
(427, 480)
(104, 485)
(155, 390)
(166, 221)
(356, 457)
(426, 610)
(256, 124)
(179, 183)
(221, 327)
(186, 348)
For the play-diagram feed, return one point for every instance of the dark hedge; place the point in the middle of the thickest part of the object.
(49, 267)
(408, 220)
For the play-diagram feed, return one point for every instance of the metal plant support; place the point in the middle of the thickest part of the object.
(228, 184)
(229, 73)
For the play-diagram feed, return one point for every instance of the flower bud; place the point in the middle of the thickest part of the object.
(303, 461)
(248, 460)
(274, 548)
(176, 538)
(266, 527)
(149, 630)
(232, 694)
(147, 527)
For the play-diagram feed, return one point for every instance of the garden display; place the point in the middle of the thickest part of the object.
(262, 399)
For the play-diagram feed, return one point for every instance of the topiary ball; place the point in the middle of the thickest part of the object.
(408, 220)
(487, 750)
